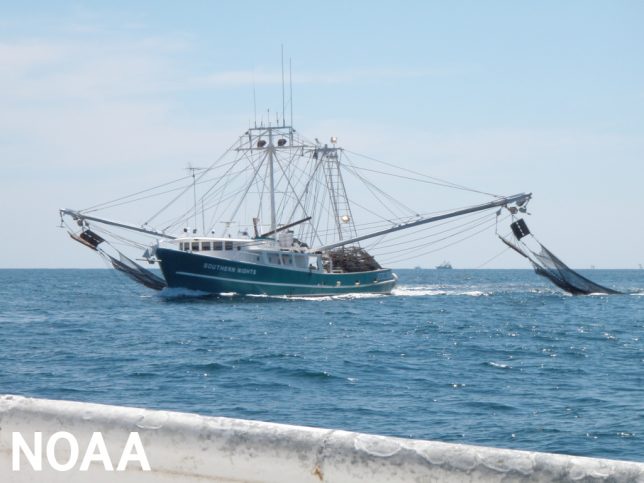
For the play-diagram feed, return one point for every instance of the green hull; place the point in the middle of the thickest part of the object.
(218, 275)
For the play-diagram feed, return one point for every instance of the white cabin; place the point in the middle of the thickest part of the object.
(260, 251)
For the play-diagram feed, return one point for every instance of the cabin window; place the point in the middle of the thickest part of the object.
(205, 246)
(229, 245)
(217, 245)
(195, 246)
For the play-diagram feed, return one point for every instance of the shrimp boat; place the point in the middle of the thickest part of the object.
(272, 216)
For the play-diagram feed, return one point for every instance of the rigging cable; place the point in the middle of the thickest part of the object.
(446, 246)
(477, 221)
(468, 227)
(437, 181)
(207, 170)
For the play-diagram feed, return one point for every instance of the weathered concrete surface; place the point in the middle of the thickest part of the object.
(191, 448)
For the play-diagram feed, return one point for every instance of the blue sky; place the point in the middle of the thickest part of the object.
(98, 99)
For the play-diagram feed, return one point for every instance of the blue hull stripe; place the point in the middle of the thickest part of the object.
(277, 284)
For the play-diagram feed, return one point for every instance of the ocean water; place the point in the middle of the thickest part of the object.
(491, 357)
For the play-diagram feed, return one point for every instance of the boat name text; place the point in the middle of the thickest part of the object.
(225, 268)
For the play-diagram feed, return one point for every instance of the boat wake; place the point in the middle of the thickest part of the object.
(401, 291)
(428, 290)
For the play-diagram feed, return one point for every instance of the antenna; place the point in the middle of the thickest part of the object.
(192, 169)
(254, 99)
(290, 86)
(283, 106)
(194, 190)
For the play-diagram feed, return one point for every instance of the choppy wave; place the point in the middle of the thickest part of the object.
(498, 365)
(211, 367)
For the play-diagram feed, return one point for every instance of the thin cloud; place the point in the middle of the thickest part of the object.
(34, 71)
(25, 55)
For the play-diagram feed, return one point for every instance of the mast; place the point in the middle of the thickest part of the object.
(337, 192)
(271, 159)
(520, 199)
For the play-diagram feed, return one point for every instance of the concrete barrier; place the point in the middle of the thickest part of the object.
(191, 448)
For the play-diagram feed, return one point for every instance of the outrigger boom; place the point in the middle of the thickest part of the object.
(519, 199)
(77, 215)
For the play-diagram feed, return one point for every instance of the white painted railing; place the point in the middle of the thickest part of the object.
(191, 448)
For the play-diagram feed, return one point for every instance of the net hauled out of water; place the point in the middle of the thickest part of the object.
(136, 272)
(123, 264)
(548, 265)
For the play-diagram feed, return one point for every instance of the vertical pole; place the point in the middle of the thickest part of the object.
(271, 153)
(290, 85)
(254, 100)
(283, 101)
(194, 194)
(203, 218)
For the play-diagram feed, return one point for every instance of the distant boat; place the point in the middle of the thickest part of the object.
(444, 266)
